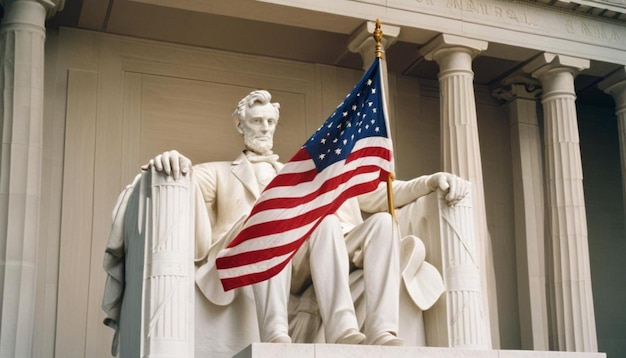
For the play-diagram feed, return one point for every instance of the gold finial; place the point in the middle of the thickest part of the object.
(378, 37)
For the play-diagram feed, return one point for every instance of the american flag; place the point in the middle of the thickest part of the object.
(350, 154)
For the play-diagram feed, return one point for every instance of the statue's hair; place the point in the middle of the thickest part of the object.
(261, 97)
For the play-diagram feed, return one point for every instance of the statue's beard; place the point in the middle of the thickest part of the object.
(257, 145)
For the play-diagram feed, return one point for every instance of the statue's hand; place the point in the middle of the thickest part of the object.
(455, 187)
(171, 163)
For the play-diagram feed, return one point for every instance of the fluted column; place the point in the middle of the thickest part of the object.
(521, 94)
(573, 325)
(615, 85)
(460, 147)
(22, 37)
(361, 40)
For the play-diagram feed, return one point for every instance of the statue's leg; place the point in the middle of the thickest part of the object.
(324, 255)
(271, 298)
(375, 244)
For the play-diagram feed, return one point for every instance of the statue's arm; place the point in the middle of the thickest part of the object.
(405, 192)
(204, 180)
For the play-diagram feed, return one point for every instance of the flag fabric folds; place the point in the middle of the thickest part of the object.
(349, 155)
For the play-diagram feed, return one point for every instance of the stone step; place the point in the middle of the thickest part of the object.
(274, 350)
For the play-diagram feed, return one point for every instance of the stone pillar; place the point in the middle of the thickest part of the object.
(460, 148)
(615, 85)
(22, 37)
(361, 40)
(521, 94)
(573, 326)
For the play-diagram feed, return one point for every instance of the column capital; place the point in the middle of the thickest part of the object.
(518, 86)
(442, 42)
(615, 85)
(51, 6)
(549, 62)
(361, 40)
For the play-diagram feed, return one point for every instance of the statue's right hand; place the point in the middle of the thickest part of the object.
(171, 163)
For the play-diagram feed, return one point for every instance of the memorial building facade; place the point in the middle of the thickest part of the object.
(525, 99)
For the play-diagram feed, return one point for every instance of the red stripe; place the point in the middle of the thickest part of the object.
(382, 152)
(243, 280)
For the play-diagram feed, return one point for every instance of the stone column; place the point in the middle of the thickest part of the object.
(361, 40)
(573, 326)
(22, 37)
(521, 94)
(460, 148)
(615, 85)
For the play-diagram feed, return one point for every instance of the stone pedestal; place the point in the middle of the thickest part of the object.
(272, 350)
(573, 319)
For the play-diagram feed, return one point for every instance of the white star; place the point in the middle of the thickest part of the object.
(373, 90)
(354, 107)
(345, 114)
(335, 140)
(345, 141)
(338, 151)
(369, 104)
(329, 125)
(374, 109)
(369, 81)
(352, 137)
(349, 124)
(377, 129)
(367, 126)
(373, 121)
(322, 156)
(323, 141)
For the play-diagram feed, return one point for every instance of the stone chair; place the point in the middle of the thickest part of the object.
(150, 290)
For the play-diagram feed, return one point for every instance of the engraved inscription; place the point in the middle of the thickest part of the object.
(592, 30)
(484, 8)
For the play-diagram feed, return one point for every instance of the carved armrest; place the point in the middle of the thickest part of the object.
(449, 235)
(157, 315)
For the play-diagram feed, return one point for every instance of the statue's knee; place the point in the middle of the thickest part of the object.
(382, 218)
(330, 222)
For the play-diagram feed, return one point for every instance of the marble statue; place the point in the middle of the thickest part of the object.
(348, 273)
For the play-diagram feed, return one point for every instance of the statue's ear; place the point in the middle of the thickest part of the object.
(239, 127)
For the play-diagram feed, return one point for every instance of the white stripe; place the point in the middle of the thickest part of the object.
(256, 267)
(267, 241)
(298, 167)
(372, 142)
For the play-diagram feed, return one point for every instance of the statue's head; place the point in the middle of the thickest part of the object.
(256, 119)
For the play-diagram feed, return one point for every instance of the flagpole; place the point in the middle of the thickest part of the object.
(378, 51)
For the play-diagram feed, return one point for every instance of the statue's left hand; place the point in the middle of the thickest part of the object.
(171, 163)
(455, 187)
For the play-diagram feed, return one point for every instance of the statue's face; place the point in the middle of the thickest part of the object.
(258, 128)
